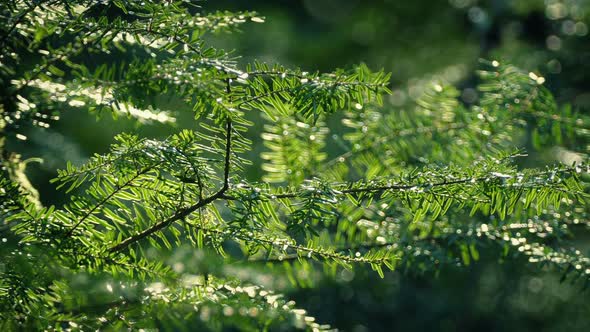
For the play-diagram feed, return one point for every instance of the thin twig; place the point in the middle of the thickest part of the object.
(182, 213)
(104, 200)
(400, 187)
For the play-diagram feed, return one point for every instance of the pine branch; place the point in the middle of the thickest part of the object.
(183, 213)
(59, 57)
(20, 19)
(339, 190)
(396, 136)
(377, 209)
(98, 205)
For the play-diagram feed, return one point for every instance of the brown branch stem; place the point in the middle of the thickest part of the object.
(182, 213)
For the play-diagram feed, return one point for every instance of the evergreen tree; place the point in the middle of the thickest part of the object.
(173, 234)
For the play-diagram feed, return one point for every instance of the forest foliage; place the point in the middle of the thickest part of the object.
(173, 233)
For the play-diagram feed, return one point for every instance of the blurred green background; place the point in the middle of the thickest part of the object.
(416, 41)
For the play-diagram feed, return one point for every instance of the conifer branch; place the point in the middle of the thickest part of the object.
(339, 190)
(304, 211)
(20, 18)
(100, 204)
(396, 135)
(183, 213)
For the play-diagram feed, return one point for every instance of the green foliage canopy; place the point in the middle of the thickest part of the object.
(170, 233)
